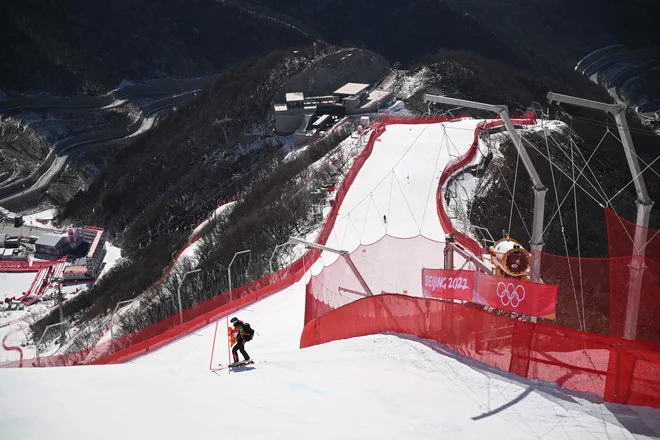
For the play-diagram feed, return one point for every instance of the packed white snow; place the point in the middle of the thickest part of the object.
(224, 209)
(41, 220)
(15, 284)
(112, 256)
(382, 386)
(147, 123)
(395, 191)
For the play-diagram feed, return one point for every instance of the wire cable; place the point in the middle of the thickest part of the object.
(577, 236)
(563, 231)
(513, 195)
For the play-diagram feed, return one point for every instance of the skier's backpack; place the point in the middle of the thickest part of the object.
(248, 331)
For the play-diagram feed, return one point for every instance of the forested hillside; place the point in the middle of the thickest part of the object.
(79, 46)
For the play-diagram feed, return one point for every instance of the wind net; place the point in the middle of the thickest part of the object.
(633, 315)
(583, 297)
(395, 265)
(386, 266)
(616, 370)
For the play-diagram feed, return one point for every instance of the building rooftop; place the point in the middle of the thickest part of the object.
(95, 243)
(50, 240)
(320, 121)
(350, 89)
(75, 270)
(374, 96)
(295, 97)
(280, 107)
(93, 228)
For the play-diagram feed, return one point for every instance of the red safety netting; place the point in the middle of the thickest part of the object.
(618, 371)
(28, 266)
(452, 167)
(621, 236)
(583, 297)
(589, 298)
(629, 274)
(337, 284)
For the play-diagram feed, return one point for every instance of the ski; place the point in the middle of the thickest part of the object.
(235, 365)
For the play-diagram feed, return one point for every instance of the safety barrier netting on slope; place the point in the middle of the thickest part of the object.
(461, 162)
(624, 268)
(568, 352)
(156, 335)
(615, 369)
(382, 265)
(380, 262)
(394, 265)
(593, 292)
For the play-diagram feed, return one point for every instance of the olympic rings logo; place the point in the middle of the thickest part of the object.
(510, 294)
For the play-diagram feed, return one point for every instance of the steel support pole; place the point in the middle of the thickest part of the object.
(357, 274)
(637, 267)
(231, 293)
(539, 198)
(316, 246)
(60, 300)
(178, 291)
(539, 189)
(537, 233)
(449, 252)
(343, 253)
(468, 256)
(644, 204)
(270, 261)
(631, 157)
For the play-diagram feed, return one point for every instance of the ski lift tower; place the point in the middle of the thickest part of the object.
(644, 203)
(539, 189)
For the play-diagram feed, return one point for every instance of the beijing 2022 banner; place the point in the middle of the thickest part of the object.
(524, 297)
(448, 284)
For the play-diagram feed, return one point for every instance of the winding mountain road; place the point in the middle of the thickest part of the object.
(177, 92)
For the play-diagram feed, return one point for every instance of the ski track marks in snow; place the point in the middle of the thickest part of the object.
(399, 181)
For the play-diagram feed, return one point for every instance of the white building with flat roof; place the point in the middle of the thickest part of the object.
(352, 89)
(295, 99)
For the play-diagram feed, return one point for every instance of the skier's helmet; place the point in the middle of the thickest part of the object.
(234, 320)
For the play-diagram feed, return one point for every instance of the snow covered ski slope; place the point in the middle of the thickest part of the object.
(395, 191)
(381, 386)
(384, 386)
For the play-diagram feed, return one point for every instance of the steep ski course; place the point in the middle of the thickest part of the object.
(382, 386)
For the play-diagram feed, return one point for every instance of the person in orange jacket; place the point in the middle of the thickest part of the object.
(240, 334)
